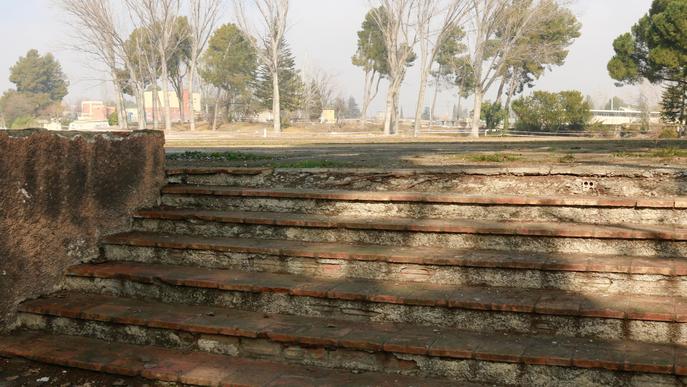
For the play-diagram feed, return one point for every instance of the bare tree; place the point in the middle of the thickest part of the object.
(432, 33)
(159, 17)
(499, 25)
(268, 40)
(98, 37)
(202, 20)
(395, 20)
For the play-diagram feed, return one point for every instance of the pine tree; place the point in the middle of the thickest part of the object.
(353, 109)
(290, 83)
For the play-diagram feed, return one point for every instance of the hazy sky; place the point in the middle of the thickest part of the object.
(323, 35)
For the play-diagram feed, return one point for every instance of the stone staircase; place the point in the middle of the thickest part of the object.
(255, 277)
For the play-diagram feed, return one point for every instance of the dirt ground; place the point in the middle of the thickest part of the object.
(409, 152)
(22, 373)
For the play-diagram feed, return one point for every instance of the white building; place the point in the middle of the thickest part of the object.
(624, 116)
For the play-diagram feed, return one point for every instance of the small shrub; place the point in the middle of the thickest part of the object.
(567, 159)
(668, 133)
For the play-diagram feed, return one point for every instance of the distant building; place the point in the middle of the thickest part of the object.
(264, 116)
(52, 125)
(624, 116)
(190, 103)
(95, 111)
(93, 116)
(328, 117)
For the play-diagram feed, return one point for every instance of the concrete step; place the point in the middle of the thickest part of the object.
(621, 239)
(377, 347)
(463, 267)
(477, 180)
(657, 319)
(189, 368)
(588, 209)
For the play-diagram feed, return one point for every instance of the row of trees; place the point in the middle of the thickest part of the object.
(171, 42)
(473, 45)
(155, 47)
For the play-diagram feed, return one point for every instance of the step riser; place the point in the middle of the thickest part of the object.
(458, 370)
(476, 320)
(437, 211)
(608, 283)
(490, 182)
(642, 248)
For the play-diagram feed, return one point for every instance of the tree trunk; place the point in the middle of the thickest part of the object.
(366, 94)
(499, 93)
(424, 71)
(182, 104)
(165, 95)
(434, 104)
(121, 109)
(191, 79)
(509, 98)
(156, 107)
(216, 112)
(141, 107)
(276, 103)
(390, 110)
(477, 113)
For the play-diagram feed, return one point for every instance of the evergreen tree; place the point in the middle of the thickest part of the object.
(290, 83)
(674, 103)
(36, 74)
(426, 114)
(353, 109)
(40, 87)
(656, 50)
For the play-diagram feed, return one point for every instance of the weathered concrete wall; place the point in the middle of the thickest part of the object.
(59, 193)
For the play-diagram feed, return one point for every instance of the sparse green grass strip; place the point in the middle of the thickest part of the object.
(669, 153)
(493, 158)
(216, 156)
(661, 153)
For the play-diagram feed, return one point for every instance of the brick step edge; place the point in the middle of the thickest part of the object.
(456, 226)
(376, 337)
(409, 255)
(217, 170)
(516, 300)
(192, 368)
(448, 171)
(428, 198)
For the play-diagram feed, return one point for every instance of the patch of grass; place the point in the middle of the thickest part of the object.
(666, 153)
(567, 159)
(493, 158)
(310, 164)
(624, 154)
(216, 156)
(661, 153)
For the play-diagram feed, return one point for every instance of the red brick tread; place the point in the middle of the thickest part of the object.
(398, 338)
(410, 255)
(213, 170)
(539, 301)
(193, 368)
(420, 197)
(460, 226)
